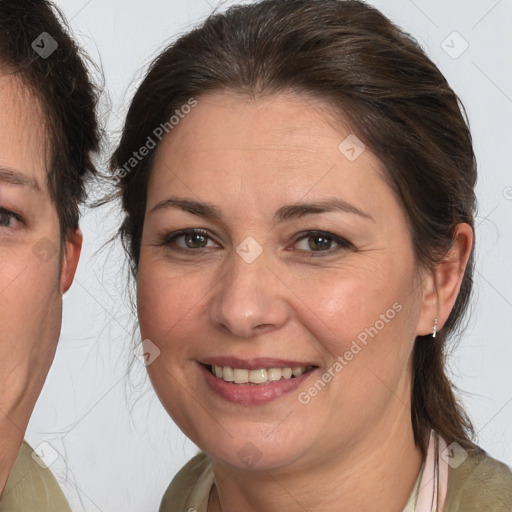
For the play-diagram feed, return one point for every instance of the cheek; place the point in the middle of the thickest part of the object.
(371, 336)
(169, 300)
(31, 302)
(341, 304)
(30, 270)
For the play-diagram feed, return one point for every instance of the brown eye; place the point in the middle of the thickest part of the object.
(8, 218)
(195, 240)
(320, 242)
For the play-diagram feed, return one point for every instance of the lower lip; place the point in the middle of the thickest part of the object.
(252, 394)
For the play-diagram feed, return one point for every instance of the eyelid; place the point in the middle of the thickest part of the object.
(342, 243)
(169, 238)
(319, 232)
(10, 213)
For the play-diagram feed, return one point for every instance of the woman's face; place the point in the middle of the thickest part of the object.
(273, 247)
(32, 277)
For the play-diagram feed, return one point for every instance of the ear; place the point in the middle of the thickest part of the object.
(73, 247)
(441, 286)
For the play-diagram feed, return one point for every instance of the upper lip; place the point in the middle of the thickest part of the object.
(253, 363)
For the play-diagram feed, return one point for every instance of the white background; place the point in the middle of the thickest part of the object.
(118, 449)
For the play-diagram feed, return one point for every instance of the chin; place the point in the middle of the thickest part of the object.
(254, 450)
(249, 457)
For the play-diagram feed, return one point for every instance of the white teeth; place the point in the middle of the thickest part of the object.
(241, 376)
(298, 370)
(287, 373)
(275, 374)
(227, 373)
(258, 376)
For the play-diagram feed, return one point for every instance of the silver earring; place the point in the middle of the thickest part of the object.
(435, 329)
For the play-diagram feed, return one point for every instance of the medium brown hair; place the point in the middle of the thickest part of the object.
(62, 86)
(393, 98)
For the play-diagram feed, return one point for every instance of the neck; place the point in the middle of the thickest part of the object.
(377, 473)
(12, 428)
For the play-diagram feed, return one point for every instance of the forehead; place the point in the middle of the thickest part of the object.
(23, 138)
(287, 143)
(228, 120)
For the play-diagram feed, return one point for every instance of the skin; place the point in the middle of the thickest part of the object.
(351, 447)
(36, 267)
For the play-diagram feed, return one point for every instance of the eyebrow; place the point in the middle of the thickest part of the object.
(287, 212)
(17, 178)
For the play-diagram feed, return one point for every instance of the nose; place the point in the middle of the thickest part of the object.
(249, 299)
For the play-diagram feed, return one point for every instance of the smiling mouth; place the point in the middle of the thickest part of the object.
(257, 376)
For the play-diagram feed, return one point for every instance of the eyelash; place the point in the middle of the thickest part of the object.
(9, 215)
(343, 244)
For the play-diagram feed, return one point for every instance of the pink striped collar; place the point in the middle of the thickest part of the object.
(434, 481)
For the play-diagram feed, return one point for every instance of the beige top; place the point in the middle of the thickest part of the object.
(479, 484)
(30, 488)
(190, 489)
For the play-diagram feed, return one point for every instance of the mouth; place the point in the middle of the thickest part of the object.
(257, 376)
(255, 381)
